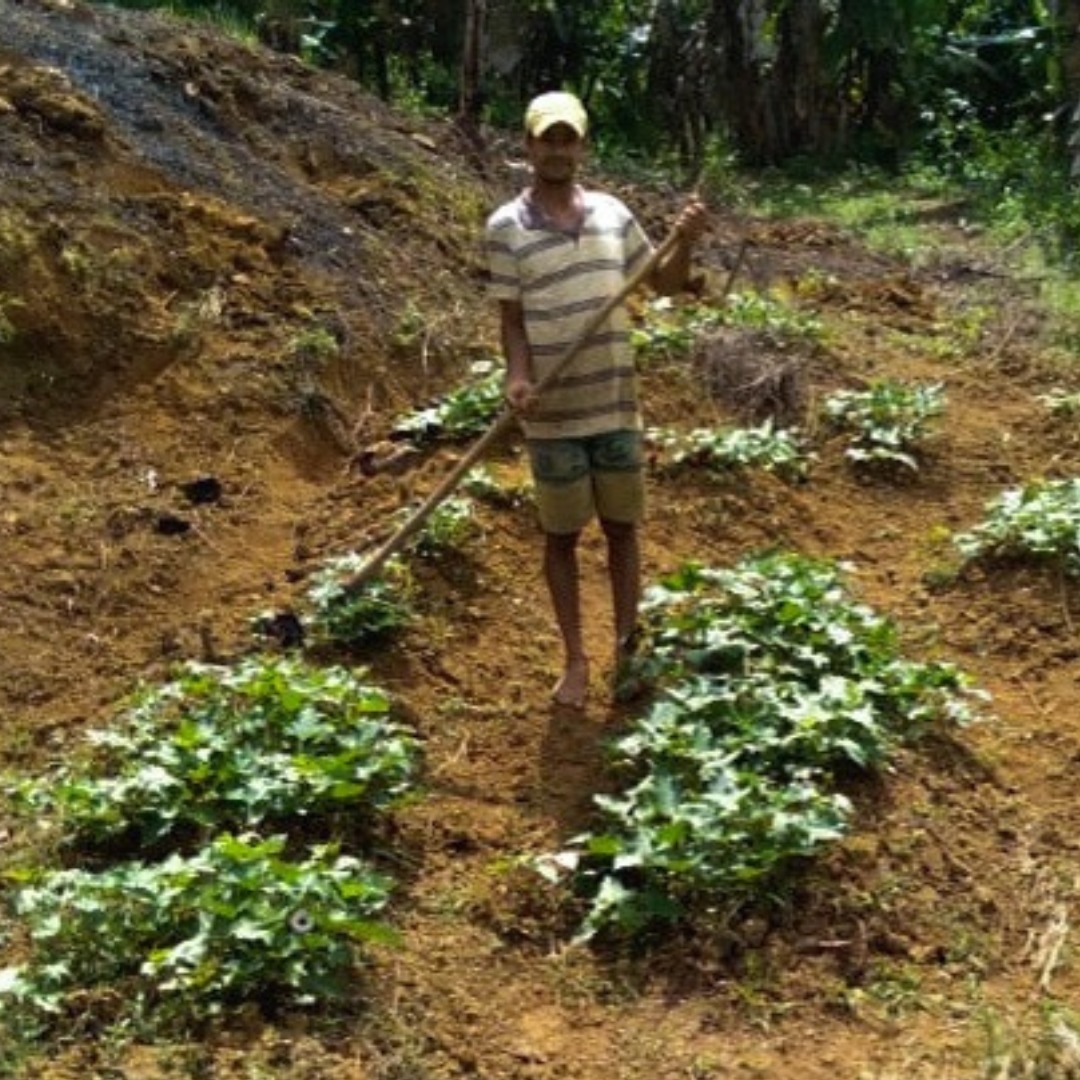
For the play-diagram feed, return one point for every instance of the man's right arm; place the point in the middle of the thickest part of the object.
(515, 345)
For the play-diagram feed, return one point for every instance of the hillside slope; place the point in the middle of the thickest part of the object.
(215, 263)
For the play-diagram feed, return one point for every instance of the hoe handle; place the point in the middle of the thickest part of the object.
(415, 521)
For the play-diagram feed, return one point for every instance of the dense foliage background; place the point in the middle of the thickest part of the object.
(980, 91)
(771, 78)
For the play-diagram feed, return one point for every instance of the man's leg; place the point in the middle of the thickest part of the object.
(624, 570)
(619, 485)
(561, 571)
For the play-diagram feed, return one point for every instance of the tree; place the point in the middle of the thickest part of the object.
(776, 79)
(806, 77)
(471, 98)
(1069, 35)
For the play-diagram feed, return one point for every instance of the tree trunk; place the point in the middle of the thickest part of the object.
(471, 99)
(803, 118)
(735, 33)
(1069, 36)
(770, 86)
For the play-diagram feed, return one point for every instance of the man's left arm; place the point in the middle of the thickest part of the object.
(673, 272)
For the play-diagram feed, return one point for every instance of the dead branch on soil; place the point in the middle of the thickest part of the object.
(1068, 1040)
(1044, 945)
(1063, 588)
(954, 862)
(1050, 943)
(1005, 341)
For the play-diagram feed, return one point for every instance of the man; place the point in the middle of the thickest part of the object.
(557, 253)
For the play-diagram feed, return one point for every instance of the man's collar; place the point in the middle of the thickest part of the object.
(534, 216)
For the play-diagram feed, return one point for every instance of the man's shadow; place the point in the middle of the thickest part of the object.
(575, 762)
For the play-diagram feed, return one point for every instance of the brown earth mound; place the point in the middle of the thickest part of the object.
(218, 265)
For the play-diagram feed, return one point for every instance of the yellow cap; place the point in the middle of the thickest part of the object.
(553, 108)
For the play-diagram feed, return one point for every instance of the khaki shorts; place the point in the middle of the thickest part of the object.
(596, 475)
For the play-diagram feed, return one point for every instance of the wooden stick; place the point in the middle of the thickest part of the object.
(414, 523)
(739, 256)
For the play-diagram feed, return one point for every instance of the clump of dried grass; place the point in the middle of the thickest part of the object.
(752, 377)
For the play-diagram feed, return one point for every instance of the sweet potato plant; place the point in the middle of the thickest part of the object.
(1039, 520)
(769, 681)
(214, 843)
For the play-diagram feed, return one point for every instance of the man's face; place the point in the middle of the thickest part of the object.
(556, 154)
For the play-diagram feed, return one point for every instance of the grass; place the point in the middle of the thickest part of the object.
(1059, 300)
(924, 220)
(1045, 1048)
(17, 239)
(889, 215)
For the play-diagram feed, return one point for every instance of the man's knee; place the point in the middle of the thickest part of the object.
(560, 555)
(619, 532)
(561, 543)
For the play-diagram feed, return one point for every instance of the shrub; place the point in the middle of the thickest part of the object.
(1039, 520)
(448, 527)
(347, 615)
(216, 904)
(461, 414)
(728, 449)
(669, 331)
(237, 920)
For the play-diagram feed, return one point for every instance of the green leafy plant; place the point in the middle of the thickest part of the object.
(460, 414)
(231, 748)
(886, 423)
(238, 920)
(1062, 403)
(449, 527)
(370, 613)
(728, 449)
(669, 331)
(314, 347)
(200, 779)
(17, 238)
(410, 327)
(770, 313)
(1040, 520)
(482, 484)
(769, 680)
(8, 331)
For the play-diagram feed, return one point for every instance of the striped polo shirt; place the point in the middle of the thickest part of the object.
(561, 279)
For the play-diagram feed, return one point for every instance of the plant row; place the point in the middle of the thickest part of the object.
(213, 844)
(210, 846)
(769, 682)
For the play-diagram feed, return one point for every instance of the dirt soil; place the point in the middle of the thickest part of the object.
(183, 218)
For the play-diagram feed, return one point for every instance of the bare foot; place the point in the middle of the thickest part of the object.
(573, 687)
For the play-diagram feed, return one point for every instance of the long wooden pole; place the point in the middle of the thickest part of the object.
(415, 522)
